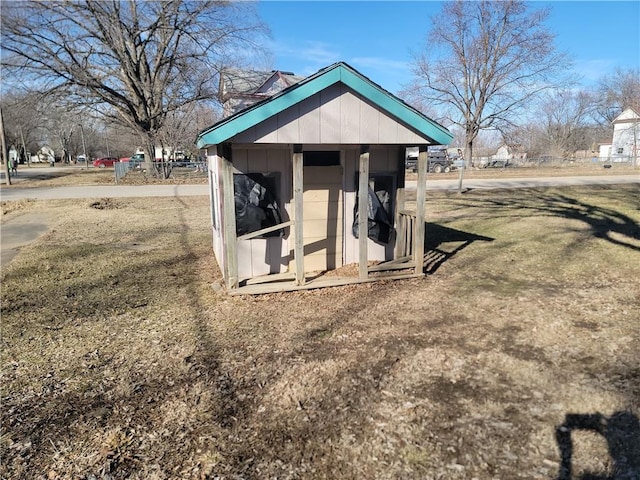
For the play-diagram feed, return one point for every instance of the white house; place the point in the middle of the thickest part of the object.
(510, 152)
(604, 151)
(13, 154)
(626, 136)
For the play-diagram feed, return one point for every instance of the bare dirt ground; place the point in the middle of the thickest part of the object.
(515, 357)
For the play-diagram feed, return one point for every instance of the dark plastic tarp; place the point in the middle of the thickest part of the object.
(256, 205)
(379, 224)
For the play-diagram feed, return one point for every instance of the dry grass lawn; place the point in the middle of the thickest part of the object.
(121, 360)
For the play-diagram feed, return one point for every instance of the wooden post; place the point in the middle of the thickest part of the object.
(400, 206)
(418, 246)
(363, 214)
(298, 230)
(229, 218)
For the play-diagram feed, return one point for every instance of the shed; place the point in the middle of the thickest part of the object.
(307, 186)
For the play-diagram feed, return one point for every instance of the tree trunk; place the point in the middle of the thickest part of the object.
(150, 155)
(468, 152)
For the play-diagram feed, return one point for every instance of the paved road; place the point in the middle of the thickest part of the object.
(15, 192)
(102, 191)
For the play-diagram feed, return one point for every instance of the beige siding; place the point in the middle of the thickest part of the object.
(350, 116)
(329, 121)
(310, 118)
(369, 130)
(322, 197)
(334, 115)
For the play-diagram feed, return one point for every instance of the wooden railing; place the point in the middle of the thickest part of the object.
(405, 234)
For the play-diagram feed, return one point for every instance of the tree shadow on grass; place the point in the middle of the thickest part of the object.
(603, 222)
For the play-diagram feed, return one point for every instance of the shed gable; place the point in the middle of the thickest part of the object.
(337, 114)
(324, 82)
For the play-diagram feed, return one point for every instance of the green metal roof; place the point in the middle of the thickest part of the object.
(338, 72)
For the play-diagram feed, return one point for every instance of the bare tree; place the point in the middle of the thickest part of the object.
(132, 62)
(182, 127)
(23, 123)
(564, 118)
(617, 92)
(485, 60)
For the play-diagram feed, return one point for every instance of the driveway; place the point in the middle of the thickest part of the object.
(20, 231)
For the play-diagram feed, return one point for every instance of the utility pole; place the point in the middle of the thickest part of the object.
(5, 157)
(84, 149)
(24, 149)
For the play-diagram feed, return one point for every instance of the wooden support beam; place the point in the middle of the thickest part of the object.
(273, 277)
(257, 233)
(321, 282)
(385, 267)
(298, 230)
(229, 225)
(363, 214)
(399, 250)
(418, 244)
(404, 259)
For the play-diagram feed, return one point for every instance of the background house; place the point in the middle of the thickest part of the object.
(626, 136)
(14, 154)
(242, 88)
(513, 153)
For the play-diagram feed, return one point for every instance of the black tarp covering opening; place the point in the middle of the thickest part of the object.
(256, 204)
(380, 221)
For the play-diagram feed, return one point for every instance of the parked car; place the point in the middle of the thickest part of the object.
(438, 162)
(138, 158)
(104, 162)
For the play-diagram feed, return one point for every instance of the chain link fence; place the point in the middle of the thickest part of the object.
(555, 162)
(171, 170)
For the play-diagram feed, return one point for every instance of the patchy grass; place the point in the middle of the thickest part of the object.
(532, 170)
(119, 359)
(40, 176)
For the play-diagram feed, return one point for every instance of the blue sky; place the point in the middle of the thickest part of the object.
(377, 38)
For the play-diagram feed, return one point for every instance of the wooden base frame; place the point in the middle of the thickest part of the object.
(287, 283)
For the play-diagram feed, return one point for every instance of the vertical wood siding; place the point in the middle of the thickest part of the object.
(261, 256)
(337, 115)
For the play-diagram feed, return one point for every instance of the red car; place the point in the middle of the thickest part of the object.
(104, 162)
